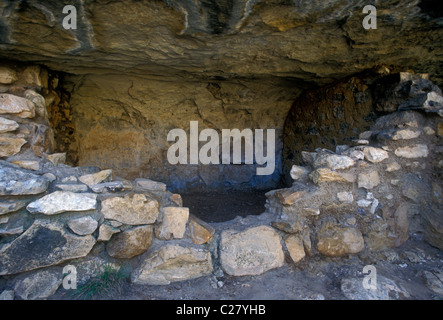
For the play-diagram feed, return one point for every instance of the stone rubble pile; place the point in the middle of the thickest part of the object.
(371, 195)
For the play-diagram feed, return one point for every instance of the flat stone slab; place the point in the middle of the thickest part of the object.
(15, 181)
(61, 201)
(43, 244)
(251, 252)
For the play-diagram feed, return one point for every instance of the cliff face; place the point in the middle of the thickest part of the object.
(310, 41)
(133, 70)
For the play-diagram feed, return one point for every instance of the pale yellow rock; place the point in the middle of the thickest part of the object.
(7, 125)
(173, 225)
(326, 175)
(414, 151)
(201, 232)
(295, 246)
(17, 106)
(7, 75)
(95, 178)
(57, 158)
(10, 145)
(27, 164)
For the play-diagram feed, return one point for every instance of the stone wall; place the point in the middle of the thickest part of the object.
(366, 196)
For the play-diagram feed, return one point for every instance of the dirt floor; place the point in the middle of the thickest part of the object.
(314, 278)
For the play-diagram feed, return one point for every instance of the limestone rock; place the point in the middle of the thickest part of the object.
(83, 225)
(375, 155)
(95, 178)
(133, 209)
(27, 164)
(15, 181)
(7, 75)
(333, 161)
(149, 185)
(200, 231)
(393, 166)
(17, 106)
(414, 151)
(386, 289)
(130, 243)
(173, 224)
(43, 244)
(173, 263)
(39, 285)
(61, 201)
(8, 206)
(177, 199)
(7, 125)
(105, 232)
(295, 246)
(251, 252)
(289, 196)
(326, 175)
(72, 187)
(368, 180)
(299, 173)
(113, 186)
(10, 145)
(336, 241)
(57, 158)
(345, 197)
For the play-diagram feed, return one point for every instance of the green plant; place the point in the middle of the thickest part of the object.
(105, 285)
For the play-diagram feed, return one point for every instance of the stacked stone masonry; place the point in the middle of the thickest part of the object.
(370, 195)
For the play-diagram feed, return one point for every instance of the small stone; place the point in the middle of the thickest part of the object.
(7, 125)
(173, 224)
(70, 179)
(7, 75)
(375, 155)
(149, 185)
(289, 197)
(49, 176)
(354, 154)
(133, 209)
(130, 243)
(299, 173)
(95, 178)
(105, 232)
(10, 146)
(39, 285)
(429, 131)
(393, 166)
(15, 181)
(368, 180)
(311, 211)
(366, 135)
(363, 203)
(374, 206)
(415, 151)
(200, 231)
(336, 241)
(327, 175)
(177, 199)
(72, 187)
(113, 186)
(173, 263)
(361, 141)
(345, 197)
(17, 106)
(57, 158)
(295, 247)
(61, 201)
(339, 149)
(83, 226)
(8, 206)
(405, 134)
(333, 161)
(27, 164)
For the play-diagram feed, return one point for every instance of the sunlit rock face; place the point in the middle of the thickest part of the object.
(134, 70)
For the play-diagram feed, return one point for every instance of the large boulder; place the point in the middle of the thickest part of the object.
(130, 243)
(61, 201)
